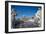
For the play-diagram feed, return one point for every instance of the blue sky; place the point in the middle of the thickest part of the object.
(24, 10)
